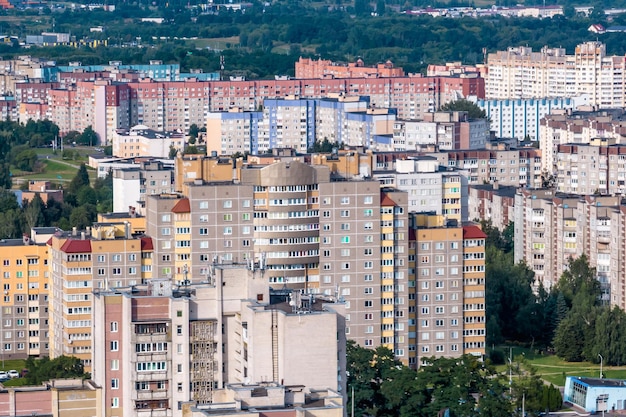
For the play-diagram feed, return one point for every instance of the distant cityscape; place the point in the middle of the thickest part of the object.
(229, 281)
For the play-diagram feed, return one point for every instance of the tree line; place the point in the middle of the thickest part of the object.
(266, 39)
(380, 386)
(81, 204)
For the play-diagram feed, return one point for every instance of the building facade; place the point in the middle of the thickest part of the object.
(520, 73)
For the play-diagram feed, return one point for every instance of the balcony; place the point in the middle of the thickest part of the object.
(152, 395)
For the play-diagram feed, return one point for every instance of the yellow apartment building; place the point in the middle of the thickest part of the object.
(104, 256)
(25, 285)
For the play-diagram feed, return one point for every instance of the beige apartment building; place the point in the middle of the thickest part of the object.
(520, 73)
(497, 163)
(309, 231)
(581, 127)
(551, 228)
(160, 345)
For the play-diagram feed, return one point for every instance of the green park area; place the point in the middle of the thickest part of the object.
(553, 369)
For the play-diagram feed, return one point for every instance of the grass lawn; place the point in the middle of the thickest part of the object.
(54, 171)
(554, 370)
(17, 364)
(213, 43)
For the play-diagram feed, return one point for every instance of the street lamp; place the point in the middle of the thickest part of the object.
(601, 360)
(510, 372)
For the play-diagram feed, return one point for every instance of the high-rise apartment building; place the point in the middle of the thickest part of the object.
(551, 228)
(310, 232)
(25, 291)
(449, 266)
(160, 345)
(585, 126)
(102, 257)
(520, 73)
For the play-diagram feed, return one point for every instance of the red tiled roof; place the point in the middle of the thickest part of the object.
(473, 232)
(76, 246)
(146, 243)
(182, 206)
(386, 201)
(49, 242)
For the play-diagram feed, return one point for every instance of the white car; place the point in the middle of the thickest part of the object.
(13, 374)
(4, 376)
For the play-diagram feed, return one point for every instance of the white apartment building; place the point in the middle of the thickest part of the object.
(520, 118)
(446, 130)
(233, 131)
(140, 140)
(520, 73)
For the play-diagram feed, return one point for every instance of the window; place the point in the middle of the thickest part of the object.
(368, 212)
(114, 345)
(179, 330)
(115, 383)
(113, 327)
(115, 364)
(115, 402)
(228, 204)
(368, 290)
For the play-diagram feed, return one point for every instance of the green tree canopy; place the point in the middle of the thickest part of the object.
(44, 369)
(473, 111)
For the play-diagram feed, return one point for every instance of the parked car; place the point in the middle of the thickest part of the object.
(13, 374)
(4, 376)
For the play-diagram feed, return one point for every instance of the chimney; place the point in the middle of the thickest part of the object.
(127, 230)
(74, 231)
(496, 185)
(82, 235)
(26, 239)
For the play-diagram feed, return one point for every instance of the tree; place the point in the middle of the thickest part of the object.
(579, 280)
(44, 369)
(33, 212)
(71, 137)
(473, 111)
(83, 216)
(89, 137)
(80, 180)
